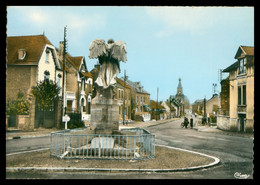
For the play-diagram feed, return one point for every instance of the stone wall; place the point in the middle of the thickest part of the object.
(223, 122)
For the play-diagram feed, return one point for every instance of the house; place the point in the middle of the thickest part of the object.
(241, 92)
(212, 105)
(123, 96)
(158, 111)
(169, 109)
(177, 105)
(78, 93)
(31, 59)
(140, 100)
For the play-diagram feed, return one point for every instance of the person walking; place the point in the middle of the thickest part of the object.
(191, 122)
(186, 122)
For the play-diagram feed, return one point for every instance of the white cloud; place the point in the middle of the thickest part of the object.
(175, 19)
(53, 18)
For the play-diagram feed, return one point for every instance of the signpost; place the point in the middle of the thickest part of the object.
(66, 119)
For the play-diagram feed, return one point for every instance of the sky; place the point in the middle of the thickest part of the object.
(164, 43)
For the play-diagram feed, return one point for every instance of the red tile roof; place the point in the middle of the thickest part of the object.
(33, 46)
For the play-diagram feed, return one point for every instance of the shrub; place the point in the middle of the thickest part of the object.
(20, 106)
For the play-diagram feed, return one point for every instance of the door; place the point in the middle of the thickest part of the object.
(242, 122)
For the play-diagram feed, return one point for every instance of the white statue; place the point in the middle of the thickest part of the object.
(109, 56)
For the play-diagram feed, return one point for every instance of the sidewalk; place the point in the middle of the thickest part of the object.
(214, 129)
(40, 132)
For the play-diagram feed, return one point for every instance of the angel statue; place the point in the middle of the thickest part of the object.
(109, 55)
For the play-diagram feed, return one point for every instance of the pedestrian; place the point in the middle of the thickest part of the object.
(186, 122)
(191, 122)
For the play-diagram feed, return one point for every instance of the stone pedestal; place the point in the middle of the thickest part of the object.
(104, 115)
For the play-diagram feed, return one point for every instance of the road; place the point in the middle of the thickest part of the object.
(235, 154)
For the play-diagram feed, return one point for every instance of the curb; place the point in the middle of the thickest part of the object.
(25, 137)
(69, 169)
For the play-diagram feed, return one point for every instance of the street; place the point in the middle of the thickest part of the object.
(235, 154)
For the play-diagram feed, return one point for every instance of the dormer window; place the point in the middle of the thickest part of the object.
(47, 54)
(242, 66)
(21, 54)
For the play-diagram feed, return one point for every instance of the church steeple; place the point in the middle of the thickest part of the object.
(179, 88)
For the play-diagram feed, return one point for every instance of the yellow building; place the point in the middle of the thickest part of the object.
(241, 95)
(123, 96)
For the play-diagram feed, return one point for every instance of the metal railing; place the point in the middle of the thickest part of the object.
(131, 144)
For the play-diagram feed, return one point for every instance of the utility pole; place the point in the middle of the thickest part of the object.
(157, 103)
(124, 99)
(205, 114)
(63, 79)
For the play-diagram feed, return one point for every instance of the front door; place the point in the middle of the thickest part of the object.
(242, 122)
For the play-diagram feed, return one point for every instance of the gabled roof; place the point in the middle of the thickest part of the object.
(121, 82)
(74, 61)
(33, 45)
(136, 86)
(247, 51)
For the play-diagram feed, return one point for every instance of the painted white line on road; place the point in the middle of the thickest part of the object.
(27, 151)
(216, 160)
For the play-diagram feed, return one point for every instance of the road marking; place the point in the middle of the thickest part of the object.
(27, 151)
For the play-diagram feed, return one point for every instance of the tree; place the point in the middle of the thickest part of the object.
(45, 92)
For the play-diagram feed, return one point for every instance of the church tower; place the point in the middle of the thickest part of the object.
(179, 94)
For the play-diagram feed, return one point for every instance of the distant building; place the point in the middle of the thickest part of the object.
(183, 101)
(140, 98)
(212, 105)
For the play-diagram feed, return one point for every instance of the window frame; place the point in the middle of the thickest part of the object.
(241, 95)
(242, 66)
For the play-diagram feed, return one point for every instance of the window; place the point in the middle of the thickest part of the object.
(46, 75)
(21, 54)
(58, 80)
(47, 53)
(241, 95)
(242, 66)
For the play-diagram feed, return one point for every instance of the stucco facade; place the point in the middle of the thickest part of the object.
(30, 59)
(241, 87)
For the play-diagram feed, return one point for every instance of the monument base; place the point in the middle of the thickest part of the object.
(104, 115)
